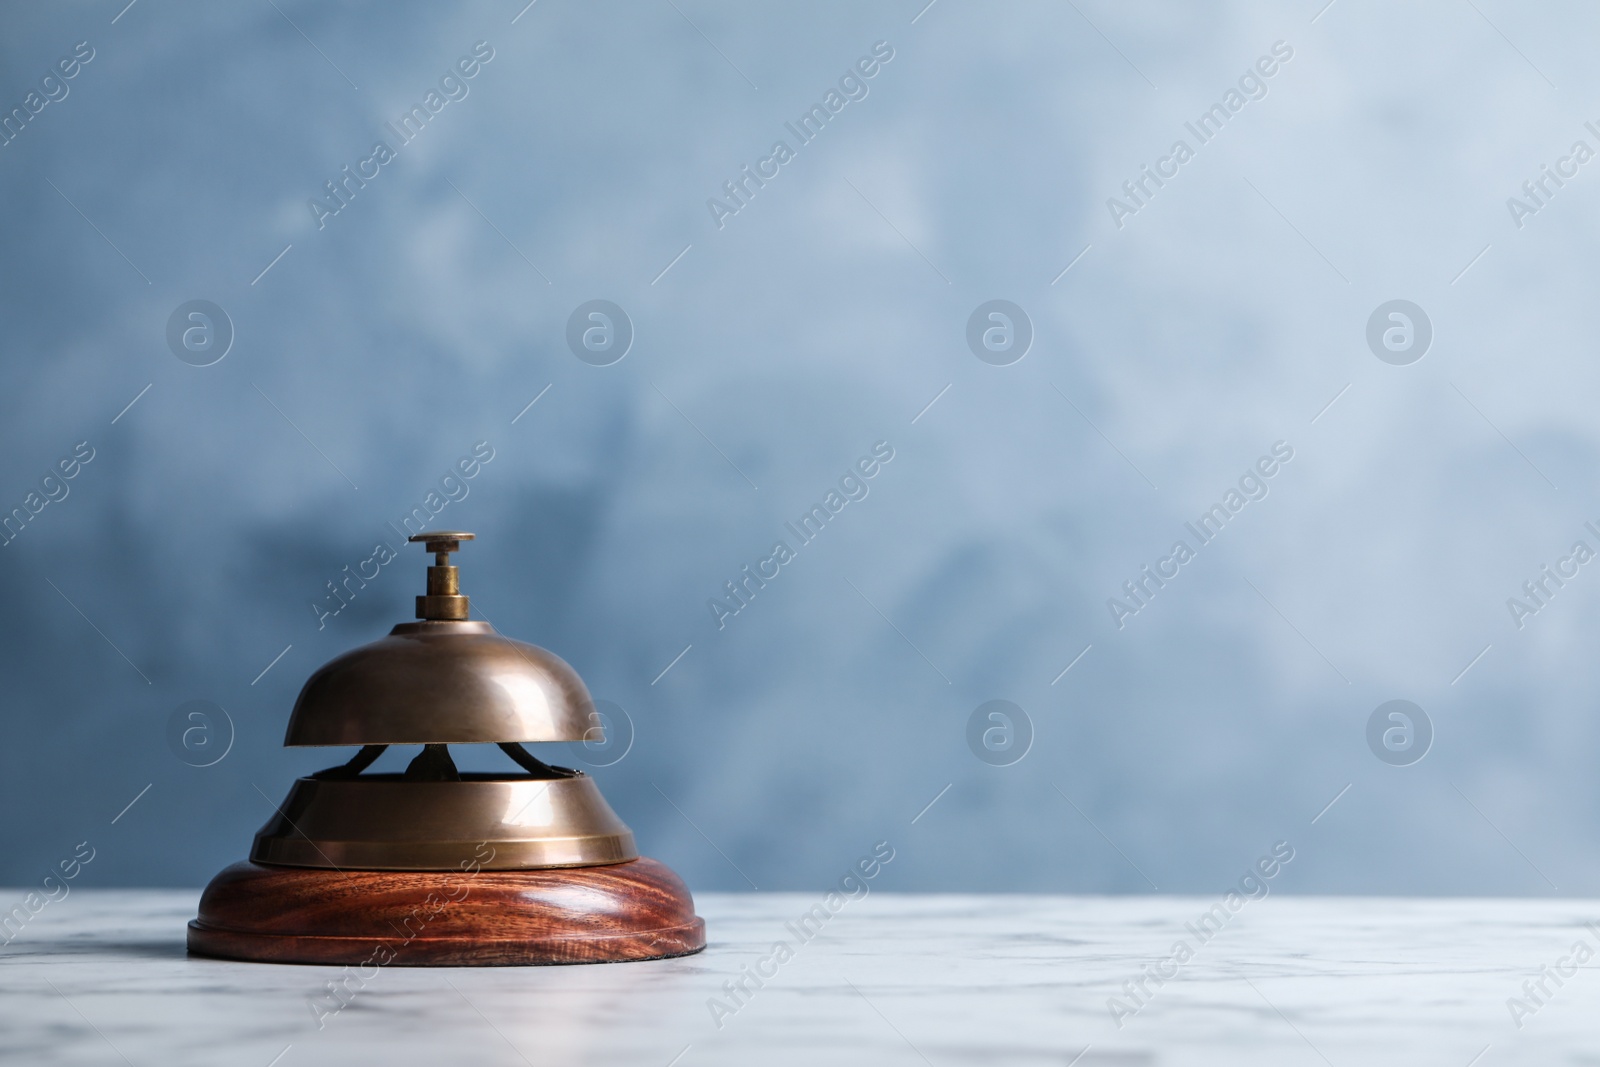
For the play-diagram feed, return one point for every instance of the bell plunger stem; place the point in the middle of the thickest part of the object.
(443, 601)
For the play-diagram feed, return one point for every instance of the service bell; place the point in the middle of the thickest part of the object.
(433, 865)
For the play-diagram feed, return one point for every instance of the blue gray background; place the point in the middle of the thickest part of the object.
(1221, 318)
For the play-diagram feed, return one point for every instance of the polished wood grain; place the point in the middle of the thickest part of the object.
(638, 910)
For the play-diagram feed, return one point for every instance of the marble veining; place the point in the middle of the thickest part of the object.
(102, 977)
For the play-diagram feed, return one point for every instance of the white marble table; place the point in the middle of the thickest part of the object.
(101, 977)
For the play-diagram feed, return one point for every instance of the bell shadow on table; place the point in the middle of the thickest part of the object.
(166, 949)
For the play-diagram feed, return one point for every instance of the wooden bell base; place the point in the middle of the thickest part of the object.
(639, 910)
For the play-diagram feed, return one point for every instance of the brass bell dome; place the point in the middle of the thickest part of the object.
(443, 680)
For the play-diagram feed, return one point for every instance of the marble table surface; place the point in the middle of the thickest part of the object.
(101, 977)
